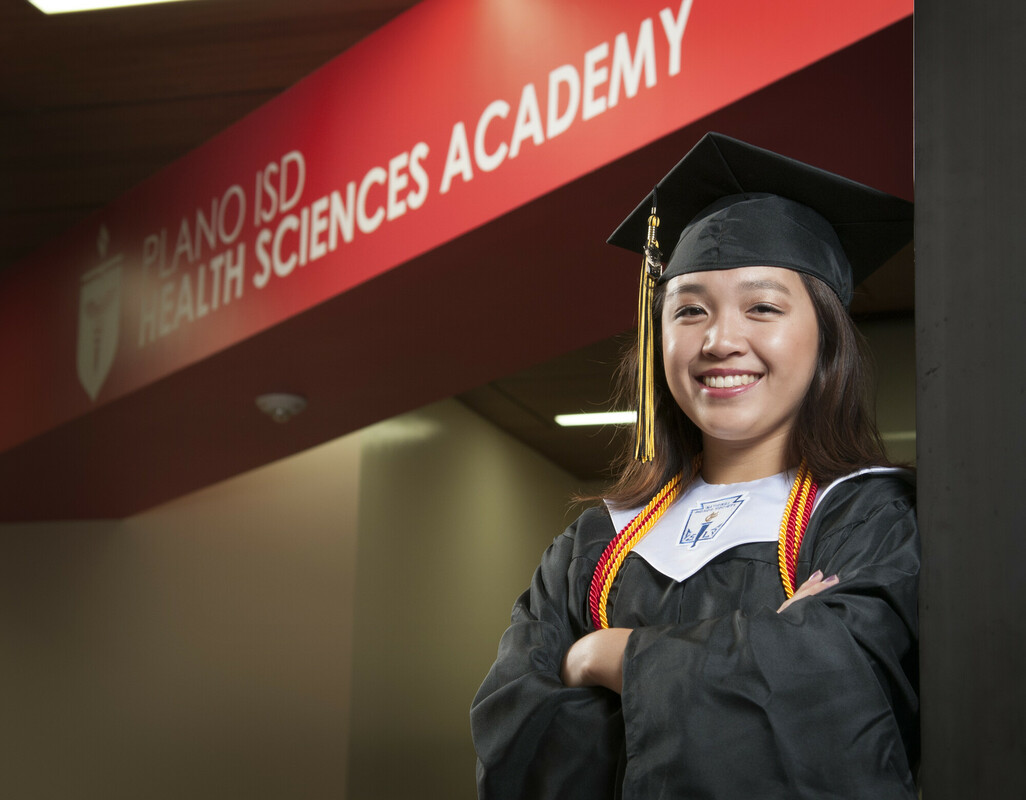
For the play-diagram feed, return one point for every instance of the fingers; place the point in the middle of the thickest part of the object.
(815, 584)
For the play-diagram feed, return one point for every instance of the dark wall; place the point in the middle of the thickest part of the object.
(971, 386)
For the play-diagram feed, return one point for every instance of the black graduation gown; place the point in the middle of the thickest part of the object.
(722, 697)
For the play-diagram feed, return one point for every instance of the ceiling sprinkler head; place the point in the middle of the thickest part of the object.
(281, 407)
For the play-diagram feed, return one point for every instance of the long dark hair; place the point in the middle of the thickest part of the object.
(834, 432)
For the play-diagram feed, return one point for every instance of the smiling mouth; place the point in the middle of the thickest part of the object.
(727, 381)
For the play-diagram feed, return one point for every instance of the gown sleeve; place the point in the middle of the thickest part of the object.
(537, 739)
(816, 702)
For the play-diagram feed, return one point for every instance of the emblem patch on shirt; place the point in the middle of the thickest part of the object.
(709, 518)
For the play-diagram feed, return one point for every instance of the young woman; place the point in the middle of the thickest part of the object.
(738, 620)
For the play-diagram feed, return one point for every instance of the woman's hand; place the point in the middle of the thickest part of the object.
(814, 585)
(596, 659)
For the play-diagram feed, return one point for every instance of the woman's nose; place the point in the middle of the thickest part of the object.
(724, 337)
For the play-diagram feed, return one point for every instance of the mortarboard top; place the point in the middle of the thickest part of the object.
(729, 204)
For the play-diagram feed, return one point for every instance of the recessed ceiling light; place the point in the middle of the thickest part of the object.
(68, 6)
(898, 436)
(601, 418)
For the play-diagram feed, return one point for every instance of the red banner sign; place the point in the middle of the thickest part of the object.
(452, 115)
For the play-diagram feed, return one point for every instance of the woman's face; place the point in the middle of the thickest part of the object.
(740, 348)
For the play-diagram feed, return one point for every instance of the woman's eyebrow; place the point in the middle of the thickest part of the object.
(766, 283)
(687, 288)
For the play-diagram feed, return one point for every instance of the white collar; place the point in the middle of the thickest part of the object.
(709, 519)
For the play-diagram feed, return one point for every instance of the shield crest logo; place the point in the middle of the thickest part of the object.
(709, 518)
(99, 315)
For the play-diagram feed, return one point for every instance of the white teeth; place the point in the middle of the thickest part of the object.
(728, 381)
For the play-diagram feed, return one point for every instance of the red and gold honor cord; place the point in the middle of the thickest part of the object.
(792, 529)
(792, 526)
(616, 551)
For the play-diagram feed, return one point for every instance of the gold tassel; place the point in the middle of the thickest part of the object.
(651, 268)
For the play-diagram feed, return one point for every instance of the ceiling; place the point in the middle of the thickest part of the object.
(92, 104)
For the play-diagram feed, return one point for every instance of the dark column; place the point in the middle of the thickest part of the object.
(971, 384)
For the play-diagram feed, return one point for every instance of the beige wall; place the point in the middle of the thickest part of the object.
(205, 648)
(454, 516)
(200, 649)
(892, 344)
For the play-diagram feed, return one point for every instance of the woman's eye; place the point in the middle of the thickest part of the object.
(689, 311)
(766, 308)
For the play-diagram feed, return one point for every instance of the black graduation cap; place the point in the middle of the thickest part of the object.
(729, 204)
